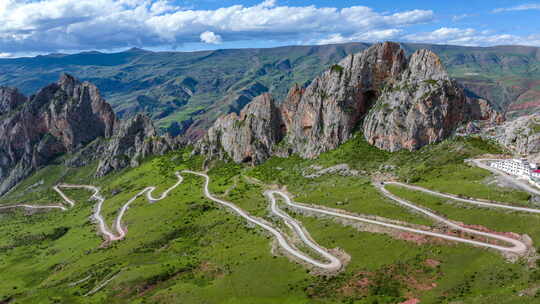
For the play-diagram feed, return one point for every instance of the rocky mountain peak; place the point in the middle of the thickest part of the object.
(77, 114)
(62, 117)
(69, 116)
(249, 137)
(10, 99)
(398, 102)
(133, 140)
(378, 64)
(425, 64)
(68, 83)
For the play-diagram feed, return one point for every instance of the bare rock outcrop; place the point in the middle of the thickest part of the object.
(60, 118)
(10, 99)
(133, 140)
(423, 107)
(327, 112)
(521, 135)
(398, 102)
(69, 118)
(249, 137)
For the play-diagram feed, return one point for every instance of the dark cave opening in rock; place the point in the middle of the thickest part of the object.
(366, 101)
(369, 99)
(247, 159)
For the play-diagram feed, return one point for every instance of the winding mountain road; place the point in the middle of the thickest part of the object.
(333, 263)
(120, 231)
(326, 259)
(96, 215)
(464, 200)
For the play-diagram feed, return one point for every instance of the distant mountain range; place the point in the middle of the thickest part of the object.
(187, 91)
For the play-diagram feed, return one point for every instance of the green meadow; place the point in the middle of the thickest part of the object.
(187, 249)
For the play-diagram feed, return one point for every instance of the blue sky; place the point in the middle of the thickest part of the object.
(29, 27)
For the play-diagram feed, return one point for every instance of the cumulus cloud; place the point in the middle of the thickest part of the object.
(53, 25)
(523, 7)
(366, 36)
(211, 38)
(471, 37)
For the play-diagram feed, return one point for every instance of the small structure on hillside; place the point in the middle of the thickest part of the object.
(521, 168)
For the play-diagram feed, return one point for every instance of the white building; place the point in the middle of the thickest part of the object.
(517, 167)
(520, 168)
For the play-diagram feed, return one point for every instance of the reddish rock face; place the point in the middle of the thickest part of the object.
(400, 103)
(61, 117)
(332, 106)
(422, 106)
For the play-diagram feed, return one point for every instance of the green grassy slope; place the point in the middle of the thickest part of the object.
(187, 249)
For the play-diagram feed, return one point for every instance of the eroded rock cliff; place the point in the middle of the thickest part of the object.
(521, 135)
(69, 117)
(398, 103)
(60, 118)
(422, 106)
(133, 140)
(249, 137)
(10, 99)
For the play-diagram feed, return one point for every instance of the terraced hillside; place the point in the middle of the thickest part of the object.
(178, 88)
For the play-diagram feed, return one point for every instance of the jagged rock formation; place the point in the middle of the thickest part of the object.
(521, 135)
(68, 117)
(330, 108)
(133, 140)
(248, 137)
(403, 104)
(422, 106)
(10, 99)
(60, 118)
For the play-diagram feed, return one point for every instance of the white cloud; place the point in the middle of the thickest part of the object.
(523, 7)
(457, 18)
(6, 55)
(471, 37)
(366, 36)
(52, 25)
(211, 38)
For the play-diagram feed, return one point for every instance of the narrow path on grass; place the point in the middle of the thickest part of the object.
(464, 200)
(69, 202)
(333, 263)
(120, 231)
(518, 247)
(330, 261)
(103, 229)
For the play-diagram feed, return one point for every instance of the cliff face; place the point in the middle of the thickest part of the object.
(402, 104)
(422, 106)
(325, 115)
(10, 99)
(60, 118)
(521, 135)
(133, 140)
(68, 117)
(249, 137)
